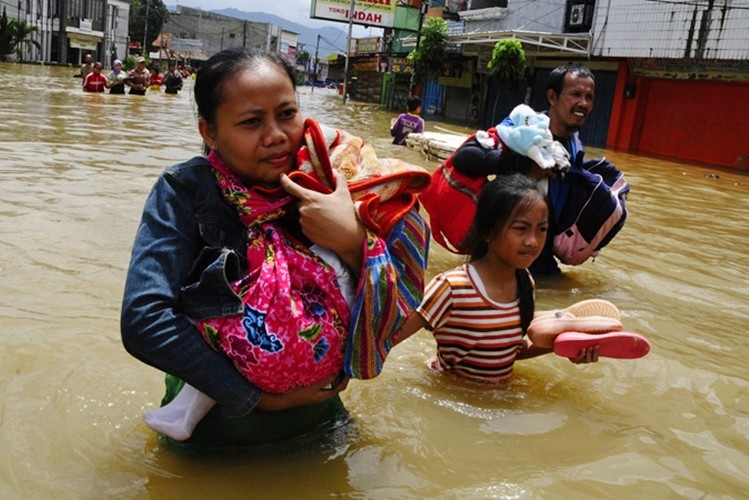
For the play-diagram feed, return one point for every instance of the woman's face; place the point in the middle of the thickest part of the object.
(258, 127)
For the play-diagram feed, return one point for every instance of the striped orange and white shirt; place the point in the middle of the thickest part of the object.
(476, 336)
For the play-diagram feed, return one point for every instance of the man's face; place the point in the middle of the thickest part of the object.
(88, 58)
(571, 107)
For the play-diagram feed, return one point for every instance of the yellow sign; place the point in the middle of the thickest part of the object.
(77, 43)
(401, 65)
(368, 46)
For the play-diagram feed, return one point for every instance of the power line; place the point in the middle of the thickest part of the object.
(727, 5)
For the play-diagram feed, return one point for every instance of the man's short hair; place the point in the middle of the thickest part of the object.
(413, 103)
(555, 81)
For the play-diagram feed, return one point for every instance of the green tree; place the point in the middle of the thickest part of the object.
(507, 66)
(149, 28)
(302, 58)
(15, 35)
(22, 34)
(6, 36)
(428, 57)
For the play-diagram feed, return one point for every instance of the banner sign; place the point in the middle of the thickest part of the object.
(401, 65)
(78, 43)
(185, 45)
(367, 12)
(368, 45)
(686, 69)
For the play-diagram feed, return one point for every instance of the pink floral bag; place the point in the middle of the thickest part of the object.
(293, 329)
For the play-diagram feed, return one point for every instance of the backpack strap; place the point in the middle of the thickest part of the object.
(526, 302)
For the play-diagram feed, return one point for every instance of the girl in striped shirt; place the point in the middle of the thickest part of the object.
(479, 312)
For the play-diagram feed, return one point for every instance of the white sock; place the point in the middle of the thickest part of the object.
(179, 418)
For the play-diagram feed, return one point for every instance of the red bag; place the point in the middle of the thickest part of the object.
(451, 201)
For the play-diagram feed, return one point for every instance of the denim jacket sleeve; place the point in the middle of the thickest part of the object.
(184, 217)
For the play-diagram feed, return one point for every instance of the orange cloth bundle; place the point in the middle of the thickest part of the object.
(383, 189)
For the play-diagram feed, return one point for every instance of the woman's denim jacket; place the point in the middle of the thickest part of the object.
(190, 244)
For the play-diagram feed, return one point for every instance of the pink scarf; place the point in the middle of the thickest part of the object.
(293, 329)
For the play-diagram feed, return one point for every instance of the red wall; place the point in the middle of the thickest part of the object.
(702, 121)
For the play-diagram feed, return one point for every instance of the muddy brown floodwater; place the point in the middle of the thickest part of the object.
(75, 170)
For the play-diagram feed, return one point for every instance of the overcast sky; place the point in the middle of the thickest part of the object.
(294, 10)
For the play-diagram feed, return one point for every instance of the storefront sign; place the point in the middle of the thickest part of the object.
(684, 69)
(365, 46)
(367, 12)
(483, 56)
(186, 45)
(79, 43)
(365, 64)
(457, 73)
(401, 65)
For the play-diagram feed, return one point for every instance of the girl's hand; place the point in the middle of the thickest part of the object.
(303, 396)
(329, 220)
(587, 355)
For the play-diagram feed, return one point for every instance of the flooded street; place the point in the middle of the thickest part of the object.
(75, 170)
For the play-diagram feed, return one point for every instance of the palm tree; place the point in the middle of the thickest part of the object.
(22, 32)
(6, 36)
(15, 35)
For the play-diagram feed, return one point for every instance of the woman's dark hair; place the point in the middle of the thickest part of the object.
(500, 200)
(213, 74)
(555, 80)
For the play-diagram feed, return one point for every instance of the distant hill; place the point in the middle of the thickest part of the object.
(332, 40)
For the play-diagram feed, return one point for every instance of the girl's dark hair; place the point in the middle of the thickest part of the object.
(499, 200)
(214, 73)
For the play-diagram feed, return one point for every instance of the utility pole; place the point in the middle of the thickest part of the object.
(244, 34)
(388, 37)
(422, 13)
(145, 32)
(63, 43)
(348, 49)
(317, 51)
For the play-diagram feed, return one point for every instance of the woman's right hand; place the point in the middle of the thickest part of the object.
(303, 396)
(329, 220)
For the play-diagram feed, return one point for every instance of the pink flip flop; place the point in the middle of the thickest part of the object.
(620, 345)
(543, 330)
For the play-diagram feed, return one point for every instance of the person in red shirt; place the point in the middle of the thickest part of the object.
(157, 79)
(95, 81)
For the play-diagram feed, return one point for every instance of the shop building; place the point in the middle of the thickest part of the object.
(67, 29)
